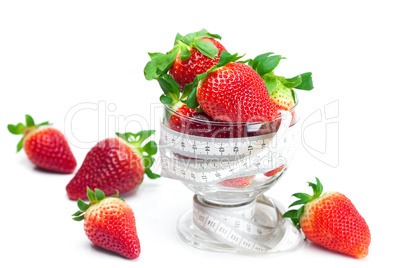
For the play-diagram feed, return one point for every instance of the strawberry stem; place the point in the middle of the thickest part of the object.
(295, 214)
(24, 129)
(94, 197)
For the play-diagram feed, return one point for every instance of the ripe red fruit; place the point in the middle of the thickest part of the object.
(274, 171)
(45, 146)
(192, 122)
(331, 221)
(235, 93)
(232, 92)
(109, 223)
(115, 164)
(184, 71)
(239, 182)
(191, 55)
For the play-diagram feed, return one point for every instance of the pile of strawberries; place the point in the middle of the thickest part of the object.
(200, 80)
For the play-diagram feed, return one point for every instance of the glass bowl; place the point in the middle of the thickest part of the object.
(228, 166)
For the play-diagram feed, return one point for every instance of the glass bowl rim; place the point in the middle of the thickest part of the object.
(223, 123)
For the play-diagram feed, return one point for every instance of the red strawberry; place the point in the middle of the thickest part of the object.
(115, 164)
(191, 122)
(188, 120)
(239, 182)
(184, 71)
(45, 146)
(274, 171)
(109, 223)
(191, 55)
(331, 221)
(232, 92)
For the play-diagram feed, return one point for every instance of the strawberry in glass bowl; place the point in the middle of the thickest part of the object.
(228, 136)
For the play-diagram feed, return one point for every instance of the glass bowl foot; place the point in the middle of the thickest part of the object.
(255, 227)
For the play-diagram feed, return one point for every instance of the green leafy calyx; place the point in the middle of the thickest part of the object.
(303, 199)
(94, 197)
(161, 62)
(135, 141)
(265, 65)
(24, 129)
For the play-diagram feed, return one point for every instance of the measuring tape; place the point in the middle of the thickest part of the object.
(203, 160)
(238, 227)
(211, 160)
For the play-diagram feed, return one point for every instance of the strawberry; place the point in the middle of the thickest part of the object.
(115, 164)
(191, 55)
(232, 92)
(188, 120)
(280, 88)
(109, 223)
(239, 182)
(45, 146)
(191, 122)
(331, 221)
(274, 171)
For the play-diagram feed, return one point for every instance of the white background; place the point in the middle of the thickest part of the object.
(79, 64)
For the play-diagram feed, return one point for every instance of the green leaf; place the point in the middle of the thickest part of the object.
(290, 214)
(192, 101)
(189, 38)
(20, 145)
(169, 86)
(177, 39)
(299, 212)
(303, 196)
(29, 120)
(184, 53)
(44, 124)
(78, 213)
(165, 99)
(291, 82)
(186, 91)
(115, 195)
(99, 194)
(151, 68)
(225, 58)
(268, 64)
(167, 63)
(82, 205)
(150, 174)
(318, 188)
(79, 218)
(206, 47)
(148, 161)
(91, 195)
(270, 82)
(254, 63)
(307, 82)
(144, 134)
(298, 202)
(150, 148)
(16, 129)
